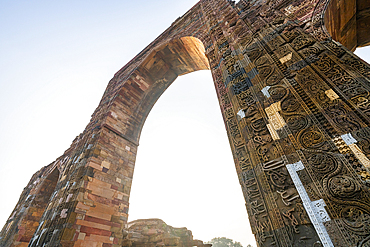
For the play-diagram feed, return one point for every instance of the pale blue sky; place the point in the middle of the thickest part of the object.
(56, 59)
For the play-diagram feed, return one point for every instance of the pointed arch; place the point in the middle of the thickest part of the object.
(148, 82)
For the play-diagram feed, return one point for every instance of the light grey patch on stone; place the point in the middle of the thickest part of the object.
(313, 209)
(348, 139)
(69, 197)
(78, 158)
(241, 114)
(63, 214)
(319, 206)
(53, 195)
(265, 91)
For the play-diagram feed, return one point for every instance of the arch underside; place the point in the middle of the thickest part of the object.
(147, 83)
(348, 22)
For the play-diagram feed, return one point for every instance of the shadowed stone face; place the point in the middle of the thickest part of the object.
(348, 22)
(295, 107)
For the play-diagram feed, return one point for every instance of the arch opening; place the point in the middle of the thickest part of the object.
(149, 81)
(184, 169)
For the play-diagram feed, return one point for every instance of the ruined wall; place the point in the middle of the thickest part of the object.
(295, 108)
(155, 232)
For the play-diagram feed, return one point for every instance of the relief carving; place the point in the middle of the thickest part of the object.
(356, 219)
(344, 119)
(343, 186)
(297, 122)
(357, 64)
(311, 138)
(243, 158)
(234, 132)
(322, 163)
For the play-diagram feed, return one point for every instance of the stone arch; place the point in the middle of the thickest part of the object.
(94, 188)
(36, 196)
(151, 78)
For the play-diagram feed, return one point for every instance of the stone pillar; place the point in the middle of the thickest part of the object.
(292, 104)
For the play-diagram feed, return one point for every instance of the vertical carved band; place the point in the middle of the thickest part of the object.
(315, 210)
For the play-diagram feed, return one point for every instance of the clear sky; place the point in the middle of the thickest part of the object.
(56, 59)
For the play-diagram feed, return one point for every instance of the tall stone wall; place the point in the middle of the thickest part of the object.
(295, 107)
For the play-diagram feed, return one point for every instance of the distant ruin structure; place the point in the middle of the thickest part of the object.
(155, 232)
(296, 105)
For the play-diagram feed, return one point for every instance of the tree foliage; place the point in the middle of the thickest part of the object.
(225, 242)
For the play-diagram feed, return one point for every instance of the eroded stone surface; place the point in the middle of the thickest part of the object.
(155, 232)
